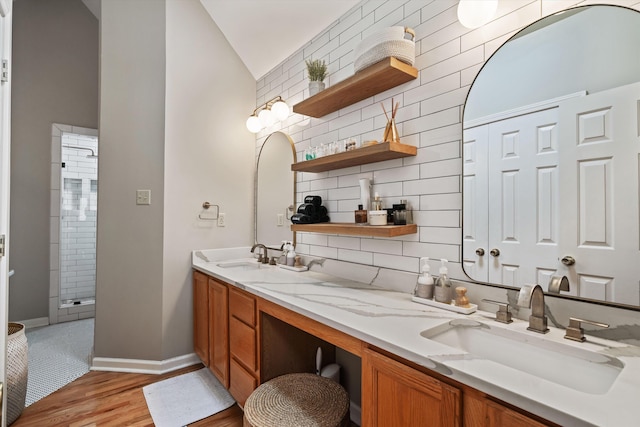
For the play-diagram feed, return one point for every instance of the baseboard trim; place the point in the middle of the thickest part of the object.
(139, 366)
(35, 323)
(355, 413)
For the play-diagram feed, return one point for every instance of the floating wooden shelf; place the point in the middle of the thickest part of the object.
(360, 156)
(353, 229)
(375, 79)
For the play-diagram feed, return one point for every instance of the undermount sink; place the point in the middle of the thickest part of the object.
(576, 368)
(239, 265)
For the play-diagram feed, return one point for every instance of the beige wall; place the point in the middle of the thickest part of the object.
(54, 80)
(209, 156)
(129, 255)
(174, 101)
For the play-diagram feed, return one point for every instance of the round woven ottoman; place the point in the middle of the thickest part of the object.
(297, 400)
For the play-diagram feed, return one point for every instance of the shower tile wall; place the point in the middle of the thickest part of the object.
(74, 180)
(78, 219)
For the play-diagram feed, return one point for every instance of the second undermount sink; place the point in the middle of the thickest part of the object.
(580, 369)
(239, 265)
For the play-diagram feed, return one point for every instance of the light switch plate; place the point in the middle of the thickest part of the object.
(143, 197)
(222, 220)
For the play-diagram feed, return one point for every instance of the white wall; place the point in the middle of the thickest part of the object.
(209, 156)
(448, 57)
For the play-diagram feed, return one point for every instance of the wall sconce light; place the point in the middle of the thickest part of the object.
(267, 114)
(476, 13)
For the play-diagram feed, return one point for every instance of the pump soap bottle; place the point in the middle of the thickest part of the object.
(424, 287)
(443, 284)
(291, 255)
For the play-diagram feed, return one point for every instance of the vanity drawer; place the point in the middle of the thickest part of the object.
(242, 383)
(242, 342)
(242, 306)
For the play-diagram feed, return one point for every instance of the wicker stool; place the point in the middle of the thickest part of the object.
(297, 400)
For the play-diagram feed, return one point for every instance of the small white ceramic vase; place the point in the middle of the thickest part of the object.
(315, 87)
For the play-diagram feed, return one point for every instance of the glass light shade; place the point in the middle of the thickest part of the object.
(281, 110)
(266, 118)
(476, 13)
(253, 124)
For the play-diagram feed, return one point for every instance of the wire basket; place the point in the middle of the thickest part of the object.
(17, 371)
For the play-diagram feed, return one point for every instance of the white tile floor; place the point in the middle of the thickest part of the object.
(58, 354)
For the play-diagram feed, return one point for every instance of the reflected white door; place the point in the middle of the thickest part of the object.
(523, 198)
(475, 198)
(600, 172)
(511, 182)
(5, 164)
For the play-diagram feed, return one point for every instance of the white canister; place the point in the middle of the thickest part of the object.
(377, 217)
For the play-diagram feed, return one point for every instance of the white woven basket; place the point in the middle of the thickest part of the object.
(17, 371)
(387, 42)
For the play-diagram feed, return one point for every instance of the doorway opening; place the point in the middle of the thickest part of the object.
(74, 207)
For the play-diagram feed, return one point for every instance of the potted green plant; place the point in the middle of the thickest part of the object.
(317, 71)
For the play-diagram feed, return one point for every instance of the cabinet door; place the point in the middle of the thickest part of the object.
(219, 331)
(201, 317)
(499, 415)
(394, 394)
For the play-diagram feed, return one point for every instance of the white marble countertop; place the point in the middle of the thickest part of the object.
(392, 321)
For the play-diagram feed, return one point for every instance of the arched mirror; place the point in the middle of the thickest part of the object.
(275, 189)
(551, 155)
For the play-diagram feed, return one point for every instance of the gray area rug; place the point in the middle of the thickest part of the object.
(58, 354)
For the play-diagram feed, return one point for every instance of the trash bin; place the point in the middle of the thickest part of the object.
(17, 371)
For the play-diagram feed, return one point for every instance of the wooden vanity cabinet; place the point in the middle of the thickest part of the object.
(243, 344)
(201, 316)
(394, 394)
(219, 330)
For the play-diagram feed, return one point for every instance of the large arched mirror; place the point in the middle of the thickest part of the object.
(275, 190)
(551, 155)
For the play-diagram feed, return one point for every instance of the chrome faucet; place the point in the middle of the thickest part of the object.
(532, 296)
(264, 257)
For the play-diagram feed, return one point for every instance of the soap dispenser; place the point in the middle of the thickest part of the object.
(443, 284)
(291, 255)
(424, 287)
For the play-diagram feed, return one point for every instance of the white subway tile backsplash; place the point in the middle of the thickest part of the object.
(433, 121)
(323, 252)
(440, 234)
(452, 65)
(444, 218)
(440, 201)
(441, 168)
(403, 173)
(344, 242)
(448, 184)
(392, 247)
(356, 256)
(432, 250)
(396, 262)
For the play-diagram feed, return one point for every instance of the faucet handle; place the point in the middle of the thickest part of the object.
(503, 315)
(575, 331)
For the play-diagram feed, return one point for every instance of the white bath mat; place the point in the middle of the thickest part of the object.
(187, 398)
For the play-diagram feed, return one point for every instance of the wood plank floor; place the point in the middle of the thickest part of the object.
(109, 399)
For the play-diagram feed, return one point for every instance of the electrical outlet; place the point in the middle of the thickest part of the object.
(143, 197)
(222, 220)
(280, 222)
